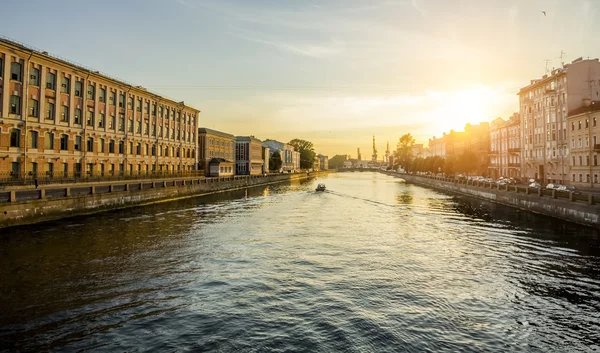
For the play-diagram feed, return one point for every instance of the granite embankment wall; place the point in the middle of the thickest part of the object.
(578, 208)
(19, 207)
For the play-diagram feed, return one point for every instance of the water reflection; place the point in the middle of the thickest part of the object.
(371, 265)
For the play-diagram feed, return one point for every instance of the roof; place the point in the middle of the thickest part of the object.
(218, 161)
(204, 130)
(247, 139)
(594, 107)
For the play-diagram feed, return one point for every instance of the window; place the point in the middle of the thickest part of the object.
(33, 139)
(121, 122)
(587, 141)
(1, 68)
(90, 144)
(112, 122)
(64, 113)
(64, 142)
(573, 179)
(147, 110)
(139, 128)
(15, 105)
(65, 86)
(130, 103)
(113, 98)
(90, 118)
(49, 141)
(15, 138)
(579, 142)
(572, 126)
(153, 106)
(147, 150)
(101, 120)
(78, 89)
(77, 143)
(166, 151)
(587, 123)
(51, 81)
(138, 149)
(587, 178)
(34, 108)
(154, 150)
(34, 77)
(16, 72)
(594, 121)
(102, 96)
(130, 128)
(101, 145)
(91, 94)
(131, 148)
(121, 147)
(579, 125)
(587, 160)
(121, 100)
(580, 160)
(573, 160)
(111, 146)
(595, 159)
(139, 105)
(49, 110)
(77, 116)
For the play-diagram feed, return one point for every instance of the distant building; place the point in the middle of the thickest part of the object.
(323, 162)
(216, 144)
(418, 151)
(545, 105)
(316, 164)
(248, 156)
(505, 147)
(583, 134)
(265, 156)
(289, 157)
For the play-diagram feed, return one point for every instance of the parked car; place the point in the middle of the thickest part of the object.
(569, 188)
(553, 186)
(535, 185)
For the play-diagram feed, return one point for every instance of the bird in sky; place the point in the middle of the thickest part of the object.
(544, 12)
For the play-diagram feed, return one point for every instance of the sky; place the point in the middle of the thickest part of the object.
(334, 72)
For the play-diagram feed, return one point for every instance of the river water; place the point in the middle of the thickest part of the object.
(372, 265)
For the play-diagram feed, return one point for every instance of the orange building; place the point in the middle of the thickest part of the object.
(59, 118)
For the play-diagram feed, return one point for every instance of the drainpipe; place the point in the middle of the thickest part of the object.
(590, 148)
(84, 110)
(26, 113)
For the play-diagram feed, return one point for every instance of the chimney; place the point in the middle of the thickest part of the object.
(586, 102)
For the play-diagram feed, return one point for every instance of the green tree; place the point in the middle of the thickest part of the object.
(275, 162)
(307, 152)
(337, 161)
(403, 153)
(468, 162)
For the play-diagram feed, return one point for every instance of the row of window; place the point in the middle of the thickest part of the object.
(587, 178)
(580, 141)
(581, 160)
(15, 141)
(16, 70)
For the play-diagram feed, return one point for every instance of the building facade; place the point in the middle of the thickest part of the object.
(248, 156)
(62, 119)
(505, 148)
(290, 159)
(584, 141)
(323, 162)
(265, 156)
(545, 105)
(216, 144)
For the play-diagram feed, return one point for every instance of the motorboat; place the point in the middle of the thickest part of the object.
(320, 187)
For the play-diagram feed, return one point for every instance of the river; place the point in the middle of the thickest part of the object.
(371, 265)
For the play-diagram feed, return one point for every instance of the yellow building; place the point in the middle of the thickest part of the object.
(58, 118)
(216, 152)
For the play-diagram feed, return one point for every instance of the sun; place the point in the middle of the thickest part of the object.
(472, 105)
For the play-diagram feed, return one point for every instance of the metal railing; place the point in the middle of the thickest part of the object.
(45, 178)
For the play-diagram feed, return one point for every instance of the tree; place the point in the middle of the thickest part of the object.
(275, 162)
(404, 149)
(337, 161)
(468, 162)
(307, 152)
